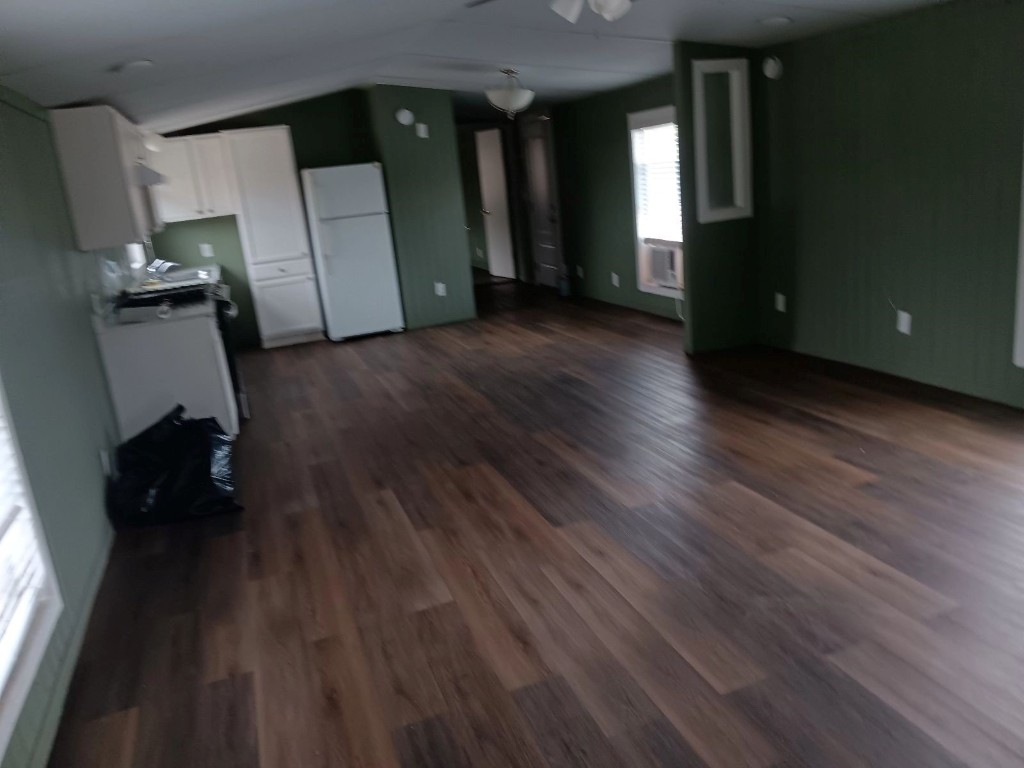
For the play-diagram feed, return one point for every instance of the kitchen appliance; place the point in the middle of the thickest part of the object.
(168, 341)
(347, 209)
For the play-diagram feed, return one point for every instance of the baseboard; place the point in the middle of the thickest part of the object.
(299, 338)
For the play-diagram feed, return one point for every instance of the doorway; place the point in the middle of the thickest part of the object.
(542, 200)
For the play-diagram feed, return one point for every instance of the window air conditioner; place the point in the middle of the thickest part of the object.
(664, 263)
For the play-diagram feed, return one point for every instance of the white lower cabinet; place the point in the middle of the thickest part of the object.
(288, 306)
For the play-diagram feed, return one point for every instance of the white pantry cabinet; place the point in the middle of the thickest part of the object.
(272, 227)
(199, 181)
(268, 190)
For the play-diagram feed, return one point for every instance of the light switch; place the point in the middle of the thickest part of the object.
(440, 289)
(780, 302)
(903, 321)
(423, 130)
(615, 279)
(579, 271)
(206, 250)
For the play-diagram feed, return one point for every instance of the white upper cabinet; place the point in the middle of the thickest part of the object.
(199, 183)
(268, 190)
(106, 177)
(216, 184)
(178, 197)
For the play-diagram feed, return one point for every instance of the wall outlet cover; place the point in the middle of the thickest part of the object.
(441, 289)
(206, 250)
(423, 130)
(615, 279)
(903, 321)
(105, 463)
(780, 302)
(579, 271)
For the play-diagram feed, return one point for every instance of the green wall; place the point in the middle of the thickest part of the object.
(595, 184)
(428, 217)
(180, 242)
(473, 202)
(721, 258)
(894, 173)
(57, 396)
(328, 130)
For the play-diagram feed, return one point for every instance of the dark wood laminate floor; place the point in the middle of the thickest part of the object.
(546, 538)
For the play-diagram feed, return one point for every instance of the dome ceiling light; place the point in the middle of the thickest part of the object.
(511, 97)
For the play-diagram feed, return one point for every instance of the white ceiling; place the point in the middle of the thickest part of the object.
(215, 58)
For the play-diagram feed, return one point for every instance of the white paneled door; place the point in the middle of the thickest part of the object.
(494, 197)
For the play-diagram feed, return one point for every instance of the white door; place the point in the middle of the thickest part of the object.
(545, 239)
(494, 194)
(216, 191)
(359, 278)
(287, 307)
(268, 190)
(178, 197)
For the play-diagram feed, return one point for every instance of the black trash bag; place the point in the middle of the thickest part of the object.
(177, 469)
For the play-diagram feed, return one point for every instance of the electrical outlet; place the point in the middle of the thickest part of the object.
(440, 289)
(206, 250)
(615, 279)
(579, 271)
(780, 302)
(105, 461)
(903, 321)
(423, 130)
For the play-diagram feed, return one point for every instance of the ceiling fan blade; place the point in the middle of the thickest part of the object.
(569, 10)
(611, 10)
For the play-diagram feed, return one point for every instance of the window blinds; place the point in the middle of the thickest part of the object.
(22, 567)
(656, 182)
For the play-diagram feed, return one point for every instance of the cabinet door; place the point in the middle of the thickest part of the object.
(287, 306)
(178, 198)
(268, 190)
(216, 189)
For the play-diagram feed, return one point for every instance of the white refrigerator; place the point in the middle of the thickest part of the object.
(348, 216)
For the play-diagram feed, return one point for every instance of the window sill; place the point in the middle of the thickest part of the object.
(659, 290)
(30, 658)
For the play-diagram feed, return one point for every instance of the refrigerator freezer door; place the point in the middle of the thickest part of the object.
(359, 281)
(348, 190)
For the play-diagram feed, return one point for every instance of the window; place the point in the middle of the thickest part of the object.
(654, 148)
(29, 599)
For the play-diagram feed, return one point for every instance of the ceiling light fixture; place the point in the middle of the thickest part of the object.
(127, 66)
(511, 97)
(610, 10)
(777, 21)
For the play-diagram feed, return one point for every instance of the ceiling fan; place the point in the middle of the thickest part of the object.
(570, 10)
